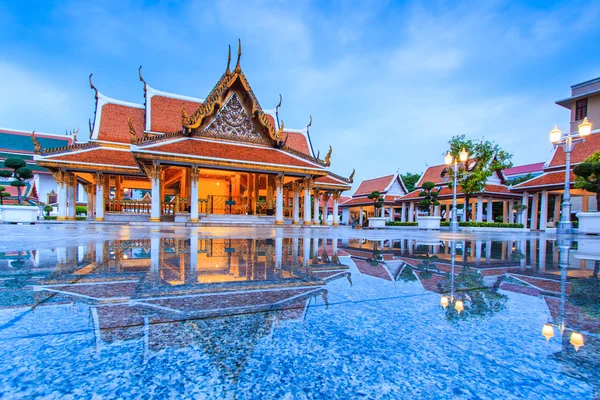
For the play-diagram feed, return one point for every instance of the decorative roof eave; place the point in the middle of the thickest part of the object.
(60, 150)
(224, 163)
(88, 167)
(332, 186)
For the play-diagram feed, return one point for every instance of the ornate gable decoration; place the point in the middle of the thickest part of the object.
(233, 122)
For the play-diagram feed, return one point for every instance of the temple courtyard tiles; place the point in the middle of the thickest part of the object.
(108, 311)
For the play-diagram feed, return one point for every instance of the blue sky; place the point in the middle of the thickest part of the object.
(387, 83)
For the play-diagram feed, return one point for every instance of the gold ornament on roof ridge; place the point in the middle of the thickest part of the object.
(37, 147)
(133, 138)
(328, 157)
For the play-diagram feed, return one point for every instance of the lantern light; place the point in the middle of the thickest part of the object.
(464, 155)
(448, 159)
(548, 332)
(576, 340)
(444, 301)
(585, 128)
(555, 135)
(459, 306)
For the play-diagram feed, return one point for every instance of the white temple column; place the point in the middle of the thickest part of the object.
(154, 255)
(194, 255)
(194, 175)
(525, 202)
(296, 204)
(544, 210)
(279, 242)
(490, 210)
(511, 212)
(411, 212)
(316, 207)
(360, 215)
(306, 251)
(307, 188)
(99, 254)
(542, 255)
(279, 200)
(436, 211)
(465, 209)
(62, 195)
(479, 215)
(89, 193)
(326, 196)
(71, 196)
(478, 245)
(534, 211)
(295, 241)
(154, 173)
(403, 216)
(99, 197)
(336, 216)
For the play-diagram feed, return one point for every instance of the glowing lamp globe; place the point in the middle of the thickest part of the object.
(555, 135)
(548, 332)
(444, 301)
(576, 340)
(459, 306)
(464, 155)
(448, 159)
(585, 128)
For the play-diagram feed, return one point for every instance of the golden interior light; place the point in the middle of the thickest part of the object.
(548, 332)
(448, 159)
(444, 301)
(464, 155)
(555, 135)
(585, 128)
(576, 340)
(459, 306)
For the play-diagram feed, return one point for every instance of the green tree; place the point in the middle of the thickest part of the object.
(588, 176)
(3, 194)
(428, 198)
(410, 180)
(377, 201)
(485, 158)
(48, 209)
(20, 173)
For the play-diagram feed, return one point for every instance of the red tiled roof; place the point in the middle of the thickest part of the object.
(432, 174)
(166, 113)
(297, 141)
(376, 184)
(364, 201)
(330, 180)
(524, 169)
(230, 151)
(113, 122)
(556, 178)
(579, 153)
(447, 192)
(99, 156)
(377, 271)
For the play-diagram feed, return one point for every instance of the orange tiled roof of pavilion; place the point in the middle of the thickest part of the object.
(580, 152)
(376, 184)
(432, 174)
(447, 192)
(98, 156)
(166, 112)
(556, 178)
(114, 126)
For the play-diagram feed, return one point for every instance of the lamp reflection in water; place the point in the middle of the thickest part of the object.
(445, 301)
(576, 338)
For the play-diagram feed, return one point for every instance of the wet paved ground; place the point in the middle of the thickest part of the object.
(94, 310)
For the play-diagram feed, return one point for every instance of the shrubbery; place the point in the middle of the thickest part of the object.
(398, 223)
(474, 224)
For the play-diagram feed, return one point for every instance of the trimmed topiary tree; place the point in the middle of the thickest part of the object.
(428, 198)
(377, 200)
(588, 176)
(48, 209)
(3, 194)
(20, 173)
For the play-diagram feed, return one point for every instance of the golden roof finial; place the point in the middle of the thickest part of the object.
(280, 131)
(74, 133)
(37, 147)
(228, 71)
(238, 68)
(140, 75)
(328, 157)
(351, 178)
(184, 116)
(132, 134)
(93, 87)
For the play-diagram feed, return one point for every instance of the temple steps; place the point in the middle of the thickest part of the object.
(243, 220)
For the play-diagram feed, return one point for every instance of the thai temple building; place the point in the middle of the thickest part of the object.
(359, 207)
(179, 158)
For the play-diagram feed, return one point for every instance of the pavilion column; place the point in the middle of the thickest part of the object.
(118, 188)
(490, 210)
(525, 202)
(336, 217)
(556, 217)
(465, 209)
(411, 211)
(316, 207)
(71, 196)
(192, 276)
(306, 251)
(270, 186)
(436, 211)
(99, 197)
(585, 203)
(505, 210)
(403, 215)
(279, 240)
(448, 212)
(154, 173)
(256, 193)
(60, 178)
(544, 210)
(308, 182)
(89, 192)
(391, 213)
(511, 213)
(296, 204)
(194, 177)
(360, 215)
(479, 213)
(534, 211)
(279, 200)
(326, 196)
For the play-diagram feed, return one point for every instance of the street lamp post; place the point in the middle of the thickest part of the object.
(568, 142)
(449, 160)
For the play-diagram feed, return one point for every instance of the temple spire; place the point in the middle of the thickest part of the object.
(228, 70)
(238, 67)
(93, 87)
(277, 109)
